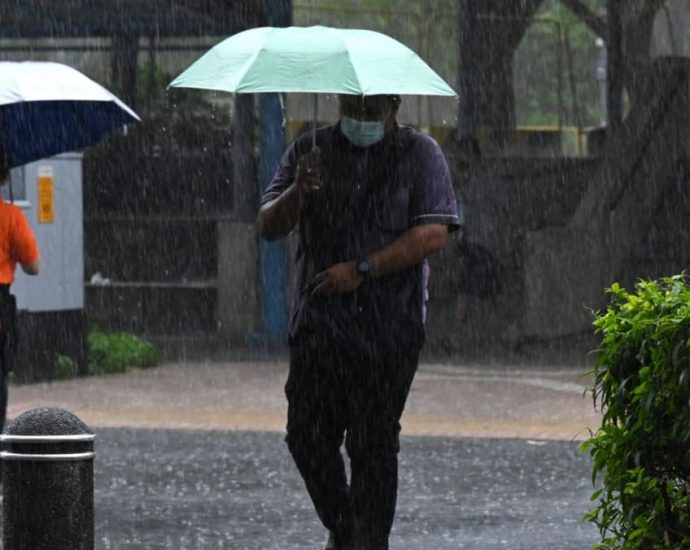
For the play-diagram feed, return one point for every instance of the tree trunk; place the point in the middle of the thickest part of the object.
(638, 23)
(489, 33)
(467, 59)
(615, 69)
(124, 64)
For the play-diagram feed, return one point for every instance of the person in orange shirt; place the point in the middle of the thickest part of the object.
(17, 246)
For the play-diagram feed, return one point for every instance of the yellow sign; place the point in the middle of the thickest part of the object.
(46, 196)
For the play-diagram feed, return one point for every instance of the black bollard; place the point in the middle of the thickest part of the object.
(47, 475)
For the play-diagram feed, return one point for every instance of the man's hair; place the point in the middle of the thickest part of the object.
(395, 99)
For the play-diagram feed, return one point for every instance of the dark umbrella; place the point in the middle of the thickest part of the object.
(50, 108)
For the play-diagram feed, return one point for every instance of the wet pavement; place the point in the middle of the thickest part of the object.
(173, 489)
(190, 456)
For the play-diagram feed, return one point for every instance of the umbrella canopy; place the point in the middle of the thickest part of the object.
(50, 108)
(313, 59)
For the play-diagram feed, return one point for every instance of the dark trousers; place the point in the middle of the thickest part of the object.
(8, 345)
(353, 391)
(3, 400)
(3, 405)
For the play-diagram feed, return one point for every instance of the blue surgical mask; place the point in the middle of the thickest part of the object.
(362, 133)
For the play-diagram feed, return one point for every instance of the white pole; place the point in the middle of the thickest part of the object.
(313, 131)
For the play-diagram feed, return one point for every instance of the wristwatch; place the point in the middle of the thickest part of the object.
(363, 267)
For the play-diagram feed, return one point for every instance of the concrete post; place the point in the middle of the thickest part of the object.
(47, 472)
(239, 310)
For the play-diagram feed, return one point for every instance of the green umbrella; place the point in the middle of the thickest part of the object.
(313, 60)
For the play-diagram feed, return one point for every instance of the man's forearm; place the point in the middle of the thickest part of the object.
(279, 216)
(409, 249)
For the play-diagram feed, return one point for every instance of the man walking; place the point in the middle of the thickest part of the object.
(371, 201)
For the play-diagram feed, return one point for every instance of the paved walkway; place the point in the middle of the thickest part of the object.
(219, 475)
(446, 400)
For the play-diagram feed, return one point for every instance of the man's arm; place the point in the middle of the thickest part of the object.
(409, 249)
(406, 251)
(24, 249)
(279, 216)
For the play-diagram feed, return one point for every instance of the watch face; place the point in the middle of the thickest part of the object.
(363, 267)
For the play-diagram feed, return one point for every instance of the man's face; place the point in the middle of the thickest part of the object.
(373, 108)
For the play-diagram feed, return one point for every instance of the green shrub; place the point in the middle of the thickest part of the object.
(65, 367)
(118, 352)
(642, 450)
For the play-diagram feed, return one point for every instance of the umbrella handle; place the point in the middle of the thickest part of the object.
(313, 130)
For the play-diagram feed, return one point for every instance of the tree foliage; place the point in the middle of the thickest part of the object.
(535, 61)
(641, 453)
(555, 70)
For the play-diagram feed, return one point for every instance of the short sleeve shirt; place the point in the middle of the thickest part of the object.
(369, 197)
(17, 242)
